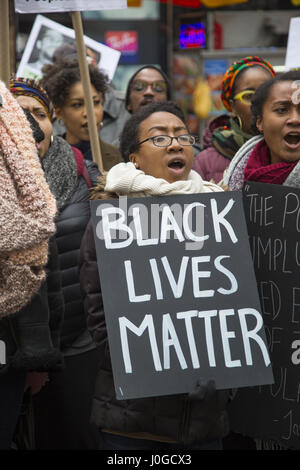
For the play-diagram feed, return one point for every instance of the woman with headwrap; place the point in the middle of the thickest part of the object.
(227, 133)
(63, 406)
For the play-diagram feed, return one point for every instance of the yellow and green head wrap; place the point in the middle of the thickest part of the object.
(233, 71)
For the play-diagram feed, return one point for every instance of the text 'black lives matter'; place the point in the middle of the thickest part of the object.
(179, 293)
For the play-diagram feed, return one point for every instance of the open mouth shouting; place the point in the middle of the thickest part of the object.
(292, 140)
(177, 165)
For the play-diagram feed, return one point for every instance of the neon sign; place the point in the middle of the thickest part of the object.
(192, 35)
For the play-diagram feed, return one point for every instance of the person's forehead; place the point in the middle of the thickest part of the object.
(25, 100)
(77, 90)
(161, 119)
(149, 75)
(251, 76)
(282, 91)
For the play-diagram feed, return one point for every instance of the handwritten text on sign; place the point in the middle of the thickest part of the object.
(39, 6)
(173, 313)
(273, 219)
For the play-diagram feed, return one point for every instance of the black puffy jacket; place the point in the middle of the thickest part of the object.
(175, 417)
(71, 224)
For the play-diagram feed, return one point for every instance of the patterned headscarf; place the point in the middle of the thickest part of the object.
(20, 86)
(233, 71)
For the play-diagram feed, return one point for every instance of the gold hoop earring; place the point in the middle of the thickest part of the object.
(239, 122)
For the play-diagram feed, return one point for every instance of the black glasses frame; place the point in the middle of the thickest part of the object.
(171, 140)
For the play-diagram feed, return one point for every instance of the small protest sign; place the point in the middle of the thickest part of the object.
(292, 58)
(272, 411)
(47, 36)
(180, 296)
(51, 6)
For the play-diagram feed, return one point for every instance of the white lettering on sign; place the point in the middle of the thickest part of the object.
(114, 221)
(2, 353)
(247, 334)
(259, 209)
(219, 219)
(295, 358)
(291, 211)
(170, 338)
(226, 335)
(179, 281)
(147, 324)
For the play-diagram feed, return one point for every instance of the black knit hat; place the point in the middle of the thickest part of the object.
(138, 71)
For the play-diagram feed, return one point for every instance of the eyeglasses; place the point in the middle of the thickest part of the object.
(157, 87)
(166, 140)
(244, 96)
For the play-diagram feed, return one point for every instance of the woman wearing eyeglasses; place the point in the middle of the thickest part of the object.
(227, 133)
(157, 147)
(63, 83)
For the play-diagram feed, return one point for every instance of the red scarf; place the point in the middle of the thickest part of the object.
(260, 169)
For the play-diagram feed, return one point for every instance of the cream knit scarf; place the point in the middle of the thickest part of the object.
(125, 179)
(27, 209)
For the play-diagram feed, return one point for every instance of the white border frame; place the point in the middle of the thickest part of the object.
(34, 6)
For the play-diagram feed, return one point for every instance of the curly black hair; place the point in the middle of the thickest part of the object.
(60, 77)
(263, 92)
(129, 139)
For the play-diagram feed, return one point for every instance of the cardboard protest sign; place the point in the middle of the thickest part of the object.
(180, 296)
(37, 6)
(272, 411)
(47, 35)
(292, 58)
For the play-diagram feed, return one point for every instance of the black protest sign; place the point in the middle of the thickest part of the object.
(180, 296)
(273, 219)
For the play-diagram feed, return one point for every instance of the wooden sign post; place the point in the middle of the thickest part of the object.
(86, 83)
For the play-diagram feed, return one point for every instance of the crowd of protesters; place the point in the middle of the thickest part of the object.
(57, 373)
